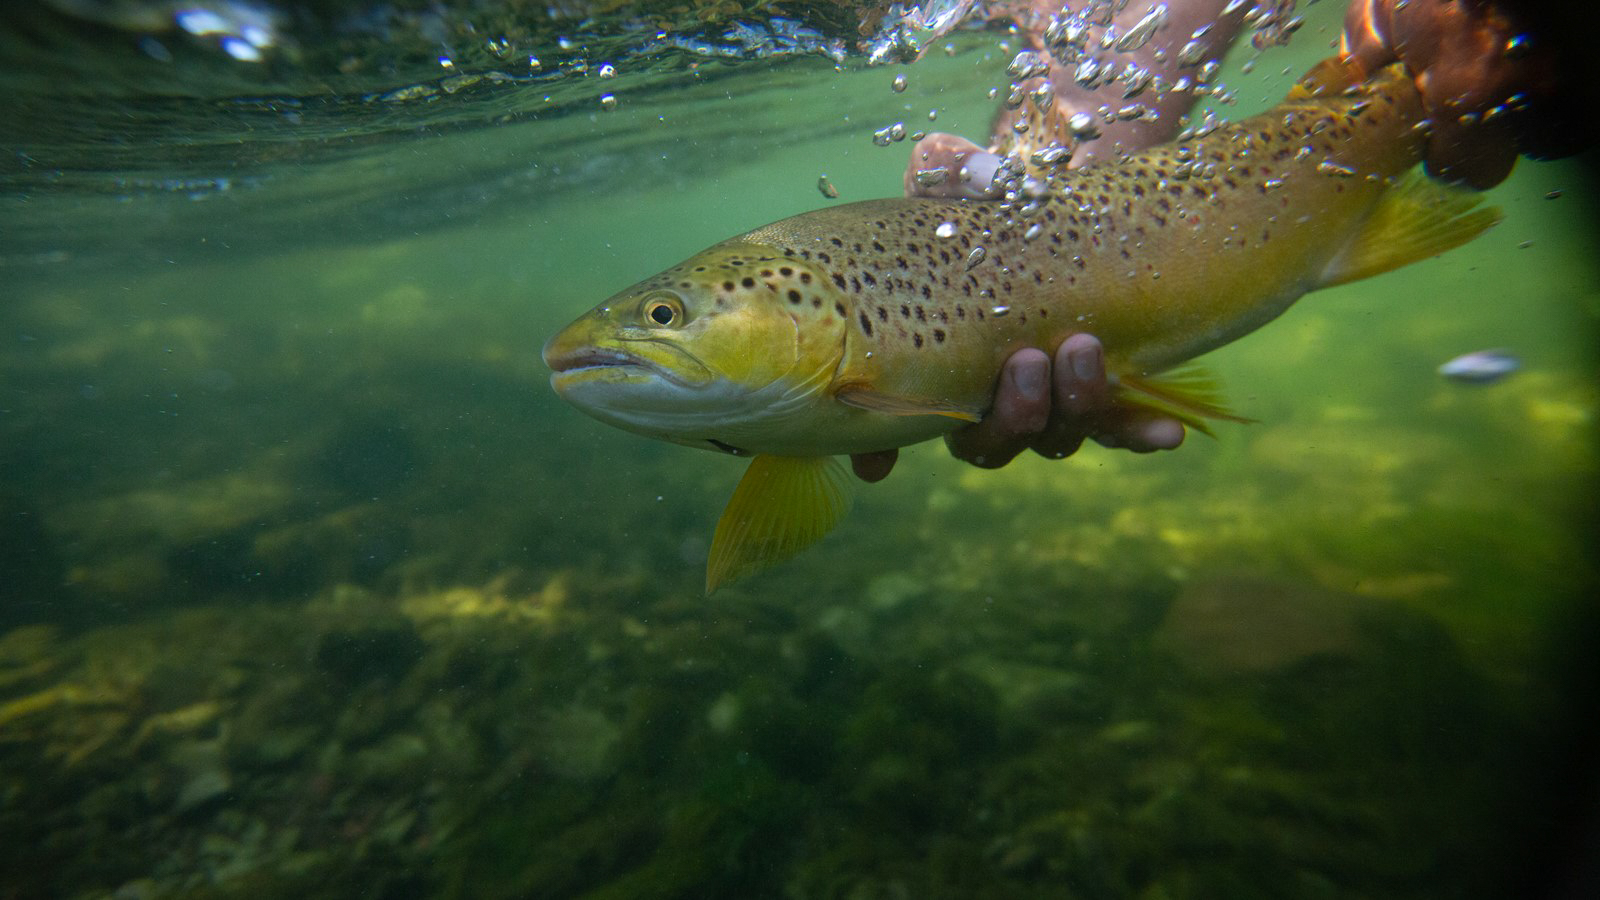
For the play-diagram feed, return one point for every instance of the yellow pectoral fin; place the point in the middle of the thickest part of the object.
(1188, 394)
(783, 505)
(1413, 220)
(863, 397)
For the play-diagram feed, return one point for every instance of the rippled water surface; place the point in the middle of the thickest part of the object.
(313, 588)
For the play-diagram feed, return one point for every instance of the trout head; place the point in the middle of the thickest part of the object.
(728, 350)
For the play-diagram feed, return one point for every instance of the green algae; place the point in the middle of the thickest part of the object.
(340, 601)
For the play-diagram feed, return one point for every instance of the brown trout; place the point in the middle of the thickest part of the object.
(875, 325)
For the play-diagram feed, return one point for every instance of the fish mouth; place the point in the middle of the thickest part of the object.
(609, 364)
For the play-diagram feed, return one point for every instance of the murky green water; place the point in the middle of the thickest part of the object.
(313, 587)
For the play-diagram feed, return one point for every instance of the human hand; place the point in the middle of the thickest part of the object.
(1479, 73)
(1050, 407)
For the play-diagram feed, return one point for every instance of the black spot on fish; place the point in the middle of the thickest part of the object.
(748, 282)
(916, 339)
(883, 314)
(838, 243)
(905, 311)
(866, 324)
(839, 308)
(838, 279)
(794, 296)
(727, 285)
(786, 271)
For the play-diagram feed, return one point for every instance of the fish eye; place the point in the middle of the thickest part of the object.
(664, 309)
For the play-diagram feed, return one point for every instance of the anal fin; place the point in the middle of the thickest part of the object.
(782, 505)
(1188, 394)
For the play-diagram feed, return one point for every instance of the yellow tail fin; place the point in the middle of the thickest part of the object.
(782, 505)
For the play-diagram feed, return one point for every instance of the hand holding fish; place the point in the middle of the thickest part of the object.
(1482, 75)
(1049, 406)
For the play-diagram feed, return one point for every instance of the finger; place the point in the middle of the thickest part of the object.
(1142, 434)
(937, 164)
(1021, 410)
(1479, 155)
(871, 467)
(1080, 384)
(1061, 439)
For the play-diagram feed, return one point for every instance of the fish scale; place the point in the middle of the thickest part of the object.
(875, 325)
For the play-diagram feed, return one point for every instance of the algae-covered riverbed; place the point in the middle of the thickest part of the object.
(313, 588)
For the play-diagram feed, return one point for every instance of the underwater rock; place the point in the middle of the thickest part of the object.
(30, 569)
(205, 786)
(1244, 624)
(352, 545)
(370, 459)
(579, 743)
(380, 652)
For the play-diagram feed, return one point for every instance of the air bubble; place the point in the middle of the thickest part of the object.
(1053, 155)
(1083, 126)
(931, 177)
(1191, 54)
(975, 257)
(945, 230)
(1087, 72)
(1027, 64)
(608, 71)
(899, 84)
(608, 102)
(998, 311)
(1144, 29)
